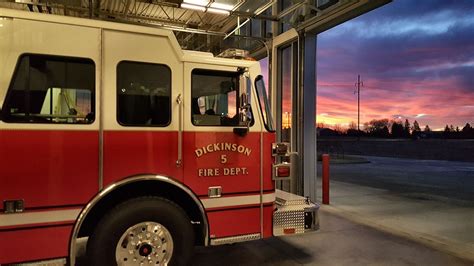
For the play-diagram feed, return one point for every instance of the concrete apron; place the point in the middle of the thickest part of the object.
(435, 224)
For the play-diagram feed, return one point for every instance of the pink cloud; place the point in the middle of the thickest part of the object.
(441, 102)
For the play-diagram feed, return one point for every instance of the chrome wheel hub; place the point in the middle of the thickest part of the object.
(146, 243)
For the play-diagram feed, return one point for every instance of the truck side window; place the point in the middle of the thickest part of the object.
(143, 94)
(214, 98)
(51, 89)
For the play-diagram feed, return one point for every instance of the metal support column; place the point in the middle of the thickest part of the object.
(307, 111)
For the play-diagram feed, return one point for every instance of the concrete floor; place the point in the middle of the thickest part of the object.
(338, 242)
(427, 201)
(447, 181)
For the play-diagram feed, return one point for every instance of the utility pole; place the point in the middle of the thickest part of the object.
(358, 105)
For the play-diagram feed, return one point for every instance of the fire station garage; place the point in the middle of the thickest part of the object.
(177, 132)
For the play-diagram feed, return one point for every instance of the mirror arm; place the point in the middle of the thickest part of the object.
(242, 70)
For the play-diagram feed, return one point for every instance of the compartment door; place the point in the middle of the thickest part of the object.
(141, 83)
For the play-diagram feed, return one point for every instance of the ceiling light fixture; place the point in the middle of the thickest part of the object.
(218, 11)
(222, 6)
(193, 7)
(197, 2)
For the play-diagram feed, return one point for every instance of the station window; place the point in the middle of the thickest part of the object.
(283, 5)
(214, 98)
(268, 30)
(51, 89)
(143, 94)
(256, 27)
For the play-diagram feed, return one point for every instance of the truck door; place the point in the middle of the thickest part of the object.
(222, 162)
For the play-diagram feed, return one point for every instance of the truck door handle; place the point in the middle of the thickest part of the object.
(179, 101)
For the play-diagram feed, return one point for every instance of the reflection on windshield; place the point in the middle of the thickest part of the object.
(263, 103)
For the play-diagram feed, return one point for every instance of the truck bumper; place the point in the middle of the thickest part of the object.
(294, 214)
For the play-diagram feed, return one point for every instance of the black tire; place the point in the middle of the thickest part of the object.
(101, 246)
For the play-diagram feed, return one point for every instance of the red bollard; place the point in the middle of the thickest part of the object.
(325, 181)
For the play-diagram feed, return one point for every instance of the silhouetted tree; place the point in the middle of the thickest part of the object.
(467, 131)
(415, 132)
(406, 129)
(377, 128)
(353, 125)
(447, 131)
(327, 132)
(352, 131)
(397, 130)
(416, 126)
(320, 125)
(366, 127)
(427, 129)
(384, 133)
(467, 128)
(338, 129)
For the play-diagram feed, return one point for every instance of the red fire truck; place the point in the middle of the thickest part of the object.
(116, 141)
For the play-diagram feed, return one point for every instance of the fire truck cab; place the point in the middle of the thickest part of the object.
(115, 139)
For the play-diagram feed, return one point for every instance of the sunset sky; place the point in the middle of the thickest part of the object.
(416, 59)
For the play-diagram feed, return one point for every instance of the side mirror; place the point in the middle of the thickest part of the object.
(244, 115)
(244, 109)
(244, 120)
(244, 103)
(244, 100)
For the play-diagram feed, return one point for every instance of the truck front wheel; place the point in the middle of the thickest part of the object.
(142, 231)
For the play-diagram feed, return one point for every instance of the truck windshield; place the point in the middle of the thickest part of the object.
(263, 103)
